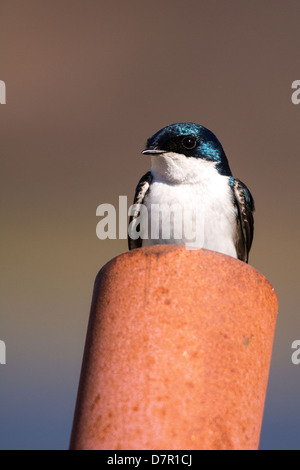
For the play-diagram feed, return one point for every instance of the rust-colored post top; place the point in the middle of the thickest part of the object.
(177, 353)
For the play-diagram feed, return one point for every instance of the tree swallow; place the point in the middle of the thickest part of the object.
(190, 171)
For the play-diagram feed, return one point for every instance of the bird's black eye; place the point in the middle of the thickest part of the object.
(189, 143)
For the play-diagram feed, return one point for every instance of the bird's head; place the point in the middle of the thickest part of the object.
(181, 152)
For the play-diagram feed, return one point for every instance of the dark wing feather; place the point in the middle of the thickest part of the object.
(245, 208)
(140, 192)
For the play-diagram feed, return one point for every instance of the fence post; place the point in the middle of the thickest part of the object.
(177, 353)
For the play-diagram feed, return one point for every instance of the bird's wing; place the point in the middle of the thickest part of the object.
(245, 208)
(140, 192)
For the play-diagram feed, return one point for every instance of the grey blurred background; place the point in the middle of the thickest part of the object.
(87, 83)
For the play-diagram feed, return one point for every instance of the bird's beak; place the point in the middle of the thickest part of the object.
(153, 152)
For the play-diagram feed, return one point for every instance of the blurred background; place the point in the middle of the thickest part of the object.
(87, 83)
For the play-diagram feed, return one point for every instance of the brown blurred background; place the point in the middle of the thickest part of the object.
(87, 83)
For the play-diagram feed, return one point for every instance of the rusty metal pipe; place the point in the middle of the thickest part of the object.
(177, 353)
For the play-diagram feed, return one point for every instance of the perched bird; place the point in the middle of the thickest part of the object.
(190, 172)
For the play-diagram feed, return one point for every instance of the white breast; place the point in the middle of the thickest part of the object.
(190, 203)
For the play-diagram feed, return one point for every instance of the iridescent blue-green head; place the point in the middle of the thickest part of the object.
(189, 140)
